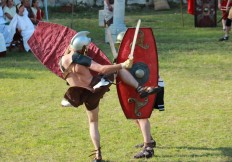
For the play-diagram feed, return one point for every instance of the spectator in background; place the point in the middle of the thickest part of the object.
(9, 10)
(222, 6)
(37, 10)
(225, 6)
(3, 3)
(108, 12)
(2, 46)
(2, 40)
(17, 2)
(31, 15)
(23, 24)
(4, 28)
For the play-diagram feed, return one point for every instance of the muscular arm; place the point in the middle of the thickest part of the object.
(104, 69)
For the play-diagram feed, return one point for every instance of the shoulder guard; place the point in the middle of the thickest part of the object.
(81, 59)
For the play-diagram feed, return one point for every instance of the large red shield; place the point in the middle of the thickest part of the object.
(49, 42)
(144, 70)
(205, 13)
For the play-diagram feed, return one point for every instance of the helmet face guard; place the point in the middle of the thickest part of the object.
(80, 41)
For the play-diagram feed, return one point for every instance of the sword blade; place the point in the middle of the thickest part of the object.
(135, 39)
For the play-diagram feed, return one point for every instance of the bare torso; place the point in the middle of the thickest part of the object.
(79, 76)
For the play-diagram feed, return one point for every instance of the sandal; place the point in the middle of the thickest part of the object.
(147, 152)
(98, 157)
(146, 91)
(153, 144)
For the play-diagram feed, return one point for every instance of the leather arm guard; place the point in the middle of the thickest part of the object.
(81, 59)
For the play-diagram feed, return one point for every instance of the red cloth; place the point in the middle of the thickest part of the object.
(49, 42)
(39, 15)
(191, 7)
(224, 3)
(224, 12)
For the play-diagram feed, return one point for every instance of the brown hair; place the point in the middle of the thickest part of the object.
(18, 6)
(32, 3)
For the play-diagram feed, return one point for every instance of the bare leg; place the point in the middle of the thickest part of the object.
(226, 35)
(127, 78)
(223, 24)
(140, 127)
(227, 31)
(93, 129)
(145, 128)
(143, 91)
(137, 123)
(148, 150)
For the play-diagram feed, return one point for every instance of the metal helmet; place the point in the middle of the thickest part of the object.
(80, 40)
(119, 39)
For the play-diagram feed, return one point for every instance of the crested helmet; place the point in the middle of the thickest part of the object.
(80, 40)
(119, 39)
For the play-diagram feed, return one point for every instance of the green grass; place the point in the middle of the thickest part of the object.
(196, 125)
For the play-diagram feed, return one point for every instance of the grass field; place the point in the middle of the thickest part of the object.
(196, 123)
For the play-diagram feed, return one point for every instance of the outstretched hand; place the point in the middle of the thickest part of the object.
(128, 63)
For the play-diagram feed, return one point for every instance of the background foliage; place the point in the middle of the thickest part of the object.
(196, 123)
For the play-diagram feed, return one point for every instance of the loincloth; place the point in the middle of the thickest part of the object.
(77, 96)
